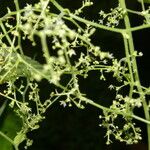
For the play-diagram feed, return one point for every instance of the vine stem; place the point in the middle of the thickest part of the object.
(61, 9)
(134, 72)
(129, 48)
(94, 24)
(88, 101)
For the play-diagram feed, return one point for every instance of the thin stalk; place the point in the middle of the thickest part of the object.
(144, 26)
(134, 12)
(61, 9)
(117, 30)
(17, 25)
(142, 5)
(9, 140)
(88, 101)
(5, 32)
(129, 65)
(10, 98)
(45, 47)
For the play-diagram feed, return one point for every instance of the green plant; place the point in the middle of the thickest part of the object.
(67, 50)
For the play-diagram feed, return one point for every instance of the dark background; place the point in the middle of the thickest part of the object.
(75, 129)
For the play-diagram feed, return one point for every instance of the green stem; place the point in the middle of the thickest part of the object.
(88, 101)
(96, 24)
(129, 65)
(142, 4)
(39, 18)
(9, 140)
(17, 25)
(134, 67)
(5, 32)
(138, 27)
(44, 47)
(10, 98)
(134, 12)
(60, 8)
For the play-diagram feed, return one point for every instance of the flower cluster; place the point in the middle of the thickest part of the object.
(125, 132)
(85, 3)
(112, 19)
(146, 14)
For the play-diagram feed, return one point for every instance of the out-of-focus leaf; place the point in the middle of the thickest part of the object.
(10, 124)
(12, 71)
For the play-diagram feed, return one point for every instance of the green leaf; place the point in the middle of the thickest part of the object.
(10, 124)
(11, 72)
